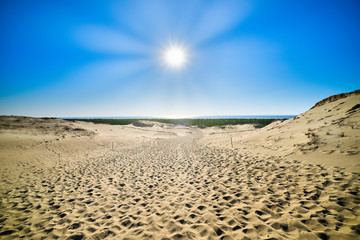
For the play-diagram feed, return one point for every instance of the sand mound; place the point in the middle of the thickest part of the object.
(41, 126)
(153, 124)
(144, 123)
(328, 134)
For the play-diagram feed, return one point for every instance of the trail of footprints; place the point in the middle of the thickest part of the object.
(171, 190)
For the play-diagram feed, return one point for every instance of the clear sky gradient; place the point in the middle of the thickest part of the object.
(104, 58)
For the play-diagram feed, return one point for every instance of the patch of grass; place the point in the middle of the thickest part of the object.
(314, 139)
(184, 121)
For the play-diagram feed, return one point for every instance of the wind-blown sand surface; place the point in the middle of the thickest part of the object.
(295, 179)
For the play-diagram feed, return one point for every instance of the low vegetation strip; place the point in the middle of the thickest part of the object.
(184, 121)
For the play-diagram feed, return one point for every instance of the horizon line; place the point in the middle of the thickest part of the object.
(270, 116)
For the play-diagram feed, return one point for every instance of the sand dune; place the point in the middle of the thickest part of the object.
(327, 134)
(296, 179)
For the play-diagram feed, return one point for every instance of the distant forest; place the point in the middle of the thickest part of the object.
(184, 121)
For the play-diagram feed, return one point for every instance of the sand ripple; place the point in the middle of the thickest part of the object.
(177, 189)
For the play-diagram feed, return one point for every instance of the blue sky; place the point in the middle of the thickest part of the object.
(104, 58)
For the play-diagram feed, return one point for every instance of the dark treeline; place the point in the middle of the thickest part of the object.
(184, 121)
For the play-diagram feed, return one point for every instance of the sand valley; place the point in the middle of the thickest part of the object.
(293, 179)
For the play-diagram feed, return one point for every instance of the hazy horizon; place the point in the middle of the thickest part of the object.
(191, 117)
(167, 117)
(175, 58)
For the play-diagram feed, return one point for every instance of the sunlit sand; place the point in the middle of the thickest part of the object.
(293, 179)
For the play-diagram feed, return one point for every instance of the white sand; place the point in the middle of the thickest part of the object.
(296, 179)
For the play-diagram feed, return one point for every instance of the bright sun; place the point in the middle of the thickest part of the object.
(175, 57)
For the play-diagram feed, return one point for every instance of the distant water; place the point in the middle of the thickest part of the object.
(199, 117)
(250, 117)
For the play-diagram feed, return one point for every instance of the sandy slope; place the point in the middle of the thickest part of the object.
(328, 134)
(71, 180)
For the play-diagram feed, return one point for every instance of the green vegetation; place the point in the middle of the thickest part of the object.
(184, 121)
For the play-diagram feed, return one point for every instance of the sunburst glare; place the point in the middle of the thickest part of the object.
(175, 57)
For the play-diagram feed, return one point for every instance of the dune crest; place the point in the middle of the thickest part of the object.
(336, 97)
